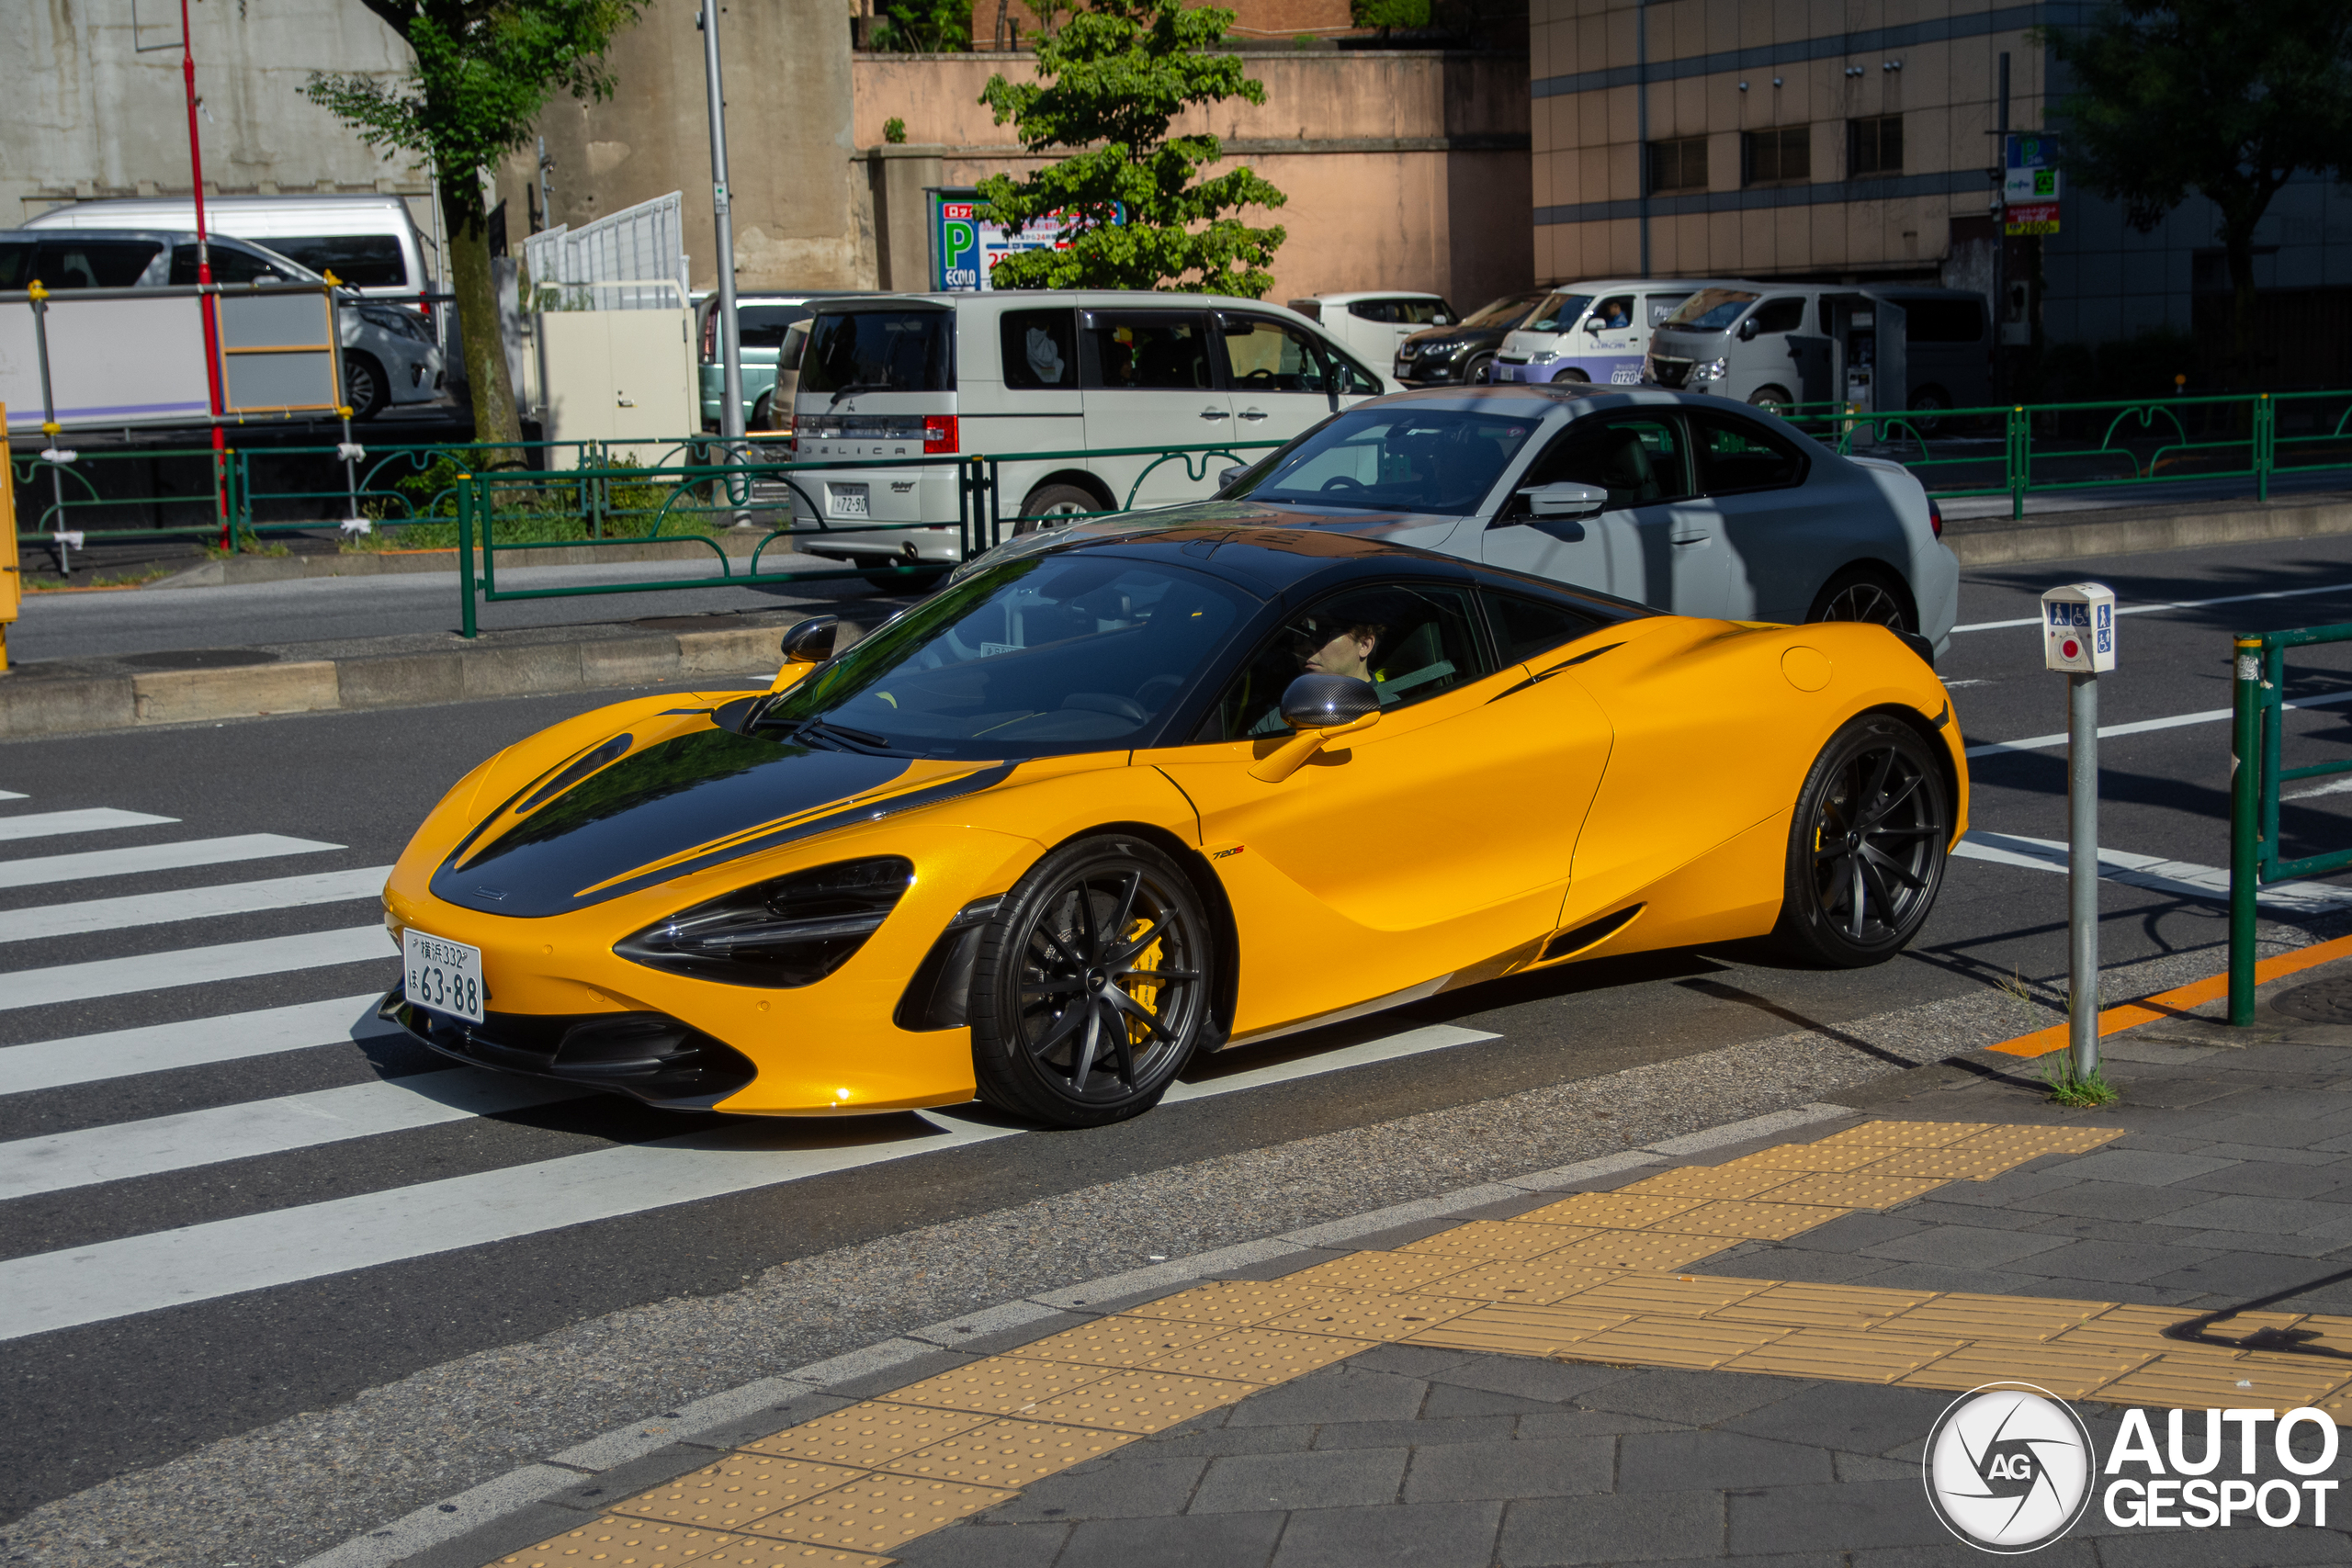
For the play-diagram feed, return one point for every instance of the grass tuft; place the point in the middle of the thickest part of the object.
(2074, 1089)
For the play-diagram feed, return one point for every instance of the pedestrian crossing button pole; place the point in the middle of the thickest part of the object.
(2078, 638)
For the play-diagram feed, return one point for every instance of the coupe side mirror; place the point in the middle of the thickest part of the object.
(811, 642)
(1321, 708)
(1748, 330)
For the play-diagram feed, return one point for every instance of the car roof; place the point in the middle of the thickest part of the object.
(1612, 285)
(1034, 299)
(1347, 296)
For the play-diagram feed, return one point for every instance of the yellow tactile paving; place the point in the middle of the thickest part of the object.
(1118, 1341)
(1855, 1189)
(2068, 1373)
(1143, 1402)
(739, 1489)
(1843, 1356)
(1690, 1342)
(1495, 1238)
(1843, 1307)
(1518, 1331)
(2215, 1378)
(1639, 1249)
(1960, 1163)
(1372, 1317)
(1009, 1452)
(1620, 1211)
(1237, 1302)
(1904, 1134)
(1749, 1220)
(1708, 1182)
(758, 1552)
(1256, 1355)
(1379, 1271)
(2141, 1325)
(868, 1435)
(1691, 1294)
(998, 1386)
(1963, 1314)
(1801, 1157)
(881, 1512)
(618, 1543)
(1533, 1282)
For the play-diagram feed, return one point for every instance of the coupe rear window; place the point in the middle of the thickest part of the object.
(363, 260)
(880, 351)
(1392, 459)
(1711, 309)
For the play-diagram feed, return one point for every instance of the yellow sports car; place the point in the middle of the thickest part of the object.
(1045, 835)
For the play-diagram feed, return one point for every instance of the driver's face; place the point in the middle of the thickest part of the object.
(1344, 654)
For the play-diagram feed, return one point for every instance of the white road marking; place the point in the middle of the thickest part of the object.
(160, 1047)
(2180, 878)
(12, 795)
(93, 820)
(192, 904)
(2167, 604)
(2211, 715)
(192, 967)
(1435, 1037)
(282, 1247)
(2338, 787)
(194, 1138)
(46, 869)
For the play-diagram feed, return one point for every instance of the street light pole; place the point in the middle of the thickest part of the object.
(204, 276)
(731, 342)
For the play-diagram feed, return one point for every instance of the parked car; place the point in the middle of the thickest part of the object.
(1375, 324)
(1771, 345)
(1459, 353)
(1052, 833)
(388, 354)
(1594, 331)
(1016, 372)
(764, 323)
(1682, 502)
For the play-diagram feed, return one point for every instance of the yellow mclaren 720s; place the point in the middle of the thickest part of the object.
(1084, 813)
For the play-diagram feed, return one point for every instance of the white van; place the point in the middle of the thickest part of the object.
(1771, 345)
(1010, 372)
(1595, 332)
(1375, 322)
(369, 242)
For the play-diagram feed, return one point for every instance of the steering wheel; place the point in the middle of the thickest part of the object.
(1259, 377)
(1340, 484)
(1156, 691)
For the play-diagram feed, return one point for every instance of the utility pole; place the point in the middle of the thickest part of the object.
(204, 276)
(730, 340)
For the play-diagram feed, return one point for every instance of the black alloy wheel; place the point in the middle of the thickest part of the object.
(1092, 986)
(1475, 373)
(365, 391)
(1866, 849)
(1863, 596)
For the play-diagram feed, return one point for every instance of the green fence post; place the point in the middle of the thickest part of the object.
(465, 555)
(2020, 462)
(2246, 801)
(2266, 444)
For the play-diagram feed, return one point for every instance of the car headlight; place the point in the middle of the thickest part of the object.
(405, 323)
(1712, 370)
(792, 931)
(1406, 350)
(1543, 356)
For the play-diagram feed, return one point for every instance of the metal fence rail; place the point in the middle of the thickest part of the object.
(2258, 692)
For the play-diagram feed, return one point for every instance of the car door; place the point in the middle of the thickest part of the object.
(1607, 346)
(1281, 380)
(1146, 379)
(1781, 536)
(1656, 541)
(1436, 839)
(1771, 350)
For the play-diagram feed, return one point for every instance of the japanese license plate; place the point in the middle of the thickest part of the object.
(441, 975)
(849, 501)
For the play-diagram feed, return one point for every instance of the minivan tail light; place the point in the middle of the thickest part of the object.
(1935, 517)
(938, 433)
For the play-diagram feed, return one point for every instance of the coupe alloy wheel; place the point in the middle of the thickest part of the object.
(1867, 601)
(1867, 851)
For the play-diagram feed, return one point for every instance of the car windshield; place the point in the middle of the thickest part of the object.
(1711, 309)
(1503, 313)
(1392, 458)
(1033, 658)
(879, 351)
(1557, 313)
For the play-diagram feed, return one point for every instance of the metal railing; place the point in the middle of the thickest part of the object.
(2258, 706)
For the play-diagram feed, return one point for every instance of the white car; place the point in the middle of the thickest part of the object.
(1375, 323)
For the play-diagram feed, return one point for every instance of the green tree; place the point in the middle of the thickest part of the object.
(924, 27)
(1387, 14)
(2227, 99)
(484, 69)
(1112, 80)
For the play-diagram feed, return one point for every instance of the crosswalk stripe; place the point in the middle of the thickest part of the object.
(1412, 1043)
(191, 966)
(192, 904)
(281, 1246)
(41, 870)
(12, 795)
(160, 1047)
(192, 1138)
(95, 818)
(2181, 878)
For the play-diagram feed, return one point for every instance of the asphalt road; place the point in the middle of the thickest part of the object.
(172, 1281)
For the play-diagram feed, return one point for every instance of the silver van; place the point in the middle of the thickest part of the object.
(369, 242)
(1778, 346)
(1007, 372)
(1595, 332)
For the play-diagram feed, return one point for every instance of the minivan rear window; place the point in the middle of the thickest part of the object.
(1040, 350)
(1711, 309)
(880, 351)
(363, 260)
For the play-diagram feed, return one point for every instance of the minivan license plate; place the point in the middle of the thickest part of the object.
(849, 501)
(443, 976)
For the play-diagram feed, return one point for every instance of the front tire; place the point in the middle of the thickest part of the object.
(1475, 373)
(1771, 399)
(1092, 986)
(1866, 847)
(365, 391)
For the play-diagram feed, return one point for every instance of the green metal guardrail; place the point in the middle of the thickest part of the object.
(2257, 694)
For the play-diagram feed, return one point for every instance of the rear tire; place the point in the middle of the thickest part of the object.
(365, 391)
(1092, 986)
(1862, 595)
(763, 412)
(905, 579)
(1928, 406)
(1866, 846)
(1050, 504)
(1573, 378)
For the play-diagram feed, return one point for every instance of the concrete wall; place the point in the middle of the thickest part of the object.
(1404, 169)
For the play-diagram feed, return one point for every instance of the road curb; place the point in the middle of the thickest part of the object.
(234, 570)
(1996, 543)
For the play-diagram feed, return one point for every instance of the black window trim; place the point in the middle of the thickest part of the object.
(1730, 416)
(1488, 594)
(1663, 414)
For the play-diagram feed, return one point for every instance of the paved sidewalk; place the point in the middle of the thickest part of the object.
(1556, 1378)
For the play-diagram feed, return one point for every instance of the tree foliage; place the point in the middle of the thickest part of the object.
(2227, 99)
(1112, 80)
(484, 70)
(924, 27)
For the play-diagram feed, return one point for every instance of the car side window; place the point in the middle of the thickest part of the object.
(1040, 349)
(1373, 309)
(1638, 461)
(16, 263)
(93, 263)
(1351, 379)
(1782, 315)
(1526, 627)
(228, 266)
(1419, 313)
(1734, 454)
(1614, 312)
(1412, 641)
(1145, 351)
(1265, 355)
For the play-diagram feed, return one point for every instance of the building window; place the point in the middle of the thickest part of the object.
(1771, 157)
(1679, 166)
(1874, 146)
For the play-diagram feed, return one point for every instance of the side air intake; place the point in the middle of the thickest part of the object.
(1568, 945)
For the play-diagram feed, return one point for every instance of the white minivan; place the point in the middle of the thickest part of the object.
(1006, 373)
(369, 242)
(1596, 332)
